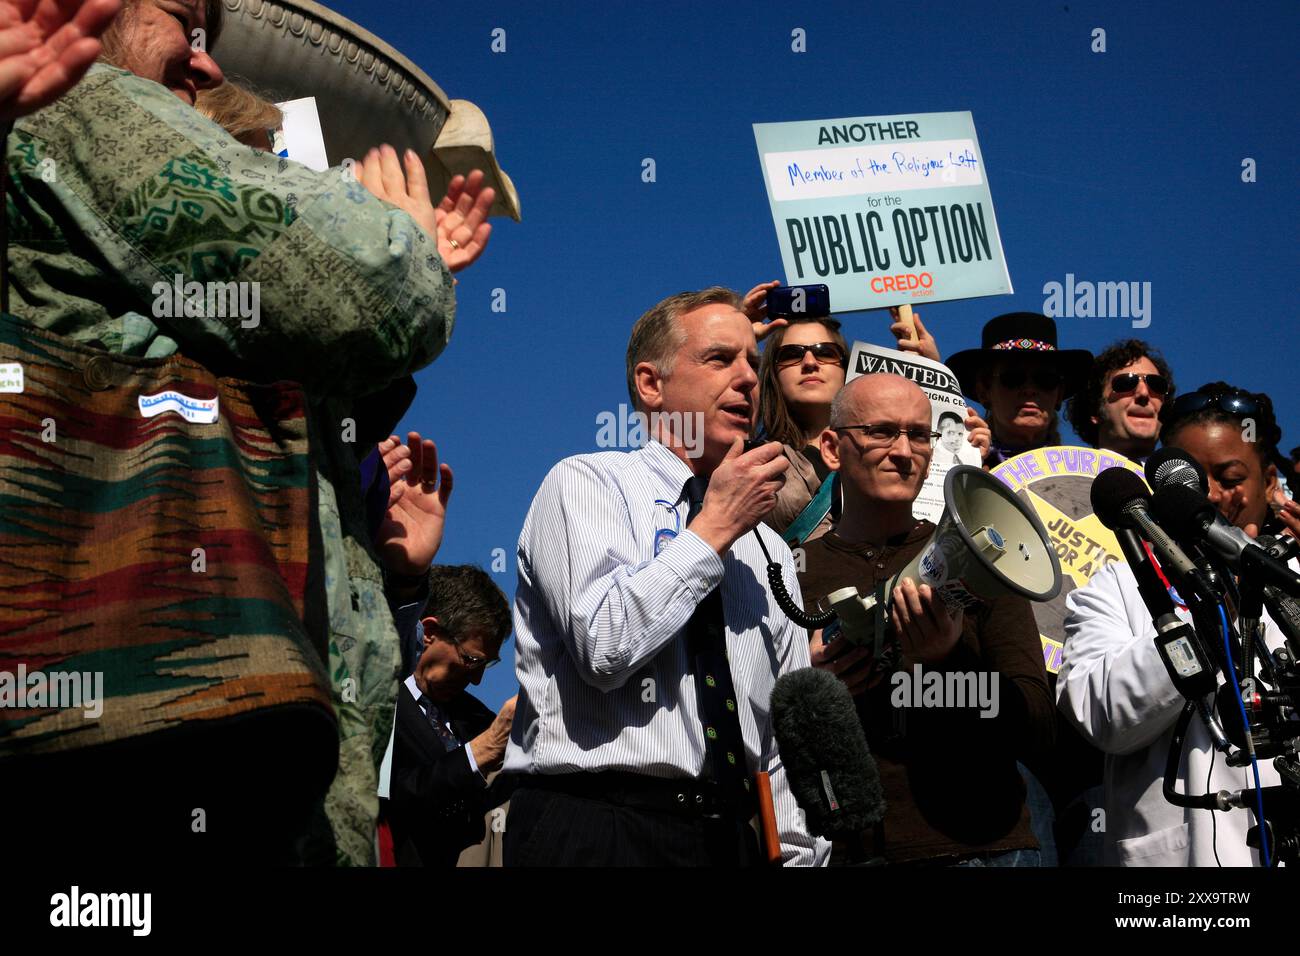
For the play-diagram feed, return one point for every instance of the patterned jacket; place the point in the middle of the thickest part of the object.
(119, 188)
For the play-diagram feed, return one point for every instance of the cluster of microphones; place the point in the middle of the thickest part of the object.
(1184, 554)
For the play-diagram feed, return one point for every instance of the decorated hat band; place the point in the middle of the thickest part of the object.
(1025, 345)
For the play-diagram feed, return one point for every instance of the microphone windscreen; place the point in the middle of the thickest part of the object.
(1173, 466)
(1181, 510)
(824, 752)
(1111, 491)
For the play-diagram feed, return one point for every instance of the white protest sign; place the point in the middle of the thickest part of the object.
(885, 210)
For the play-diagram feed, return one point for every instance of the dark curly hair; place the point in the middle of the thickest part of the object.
(1087, 401)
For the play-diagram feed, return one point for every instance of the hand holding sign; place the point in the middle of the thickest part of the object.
(922, 343)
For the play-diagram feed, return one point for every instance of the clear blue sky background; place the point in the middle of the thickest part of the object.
(1119, 166)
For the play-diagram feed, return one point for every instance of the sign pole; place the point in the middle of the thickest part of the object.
(905, 316)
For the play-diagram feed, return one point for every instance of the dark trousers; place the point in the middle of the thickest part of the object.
(552, 828)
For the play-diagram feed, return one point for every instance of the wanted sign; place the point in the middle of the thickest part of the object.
(947, 415)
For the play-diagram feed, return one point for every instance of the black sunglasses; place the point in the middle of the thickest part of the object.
(826, 353)
(1128, 382)
(1237, 403)
(1044, 378)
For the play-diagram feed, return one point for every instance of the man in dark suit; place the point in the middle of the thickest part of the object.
(445, 741)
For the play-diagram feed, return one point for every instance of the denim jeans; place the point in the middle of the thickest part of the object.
(1042, 818)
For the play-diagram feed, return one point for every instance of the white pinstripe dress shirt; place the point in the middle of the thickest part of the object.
(600, 631)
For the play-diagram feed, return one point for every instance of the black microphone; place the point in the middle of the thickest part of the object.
(1186, 660)
(1172, 465)
(1154, 594)
(824, 752)
(1191, 517)
(1120, 500)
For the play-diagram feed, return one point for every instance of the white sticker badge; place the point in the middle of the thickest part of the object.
(11, 377)
(201, 411)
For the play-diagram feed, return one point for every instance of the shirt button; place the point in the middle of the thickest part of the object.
(98, 373)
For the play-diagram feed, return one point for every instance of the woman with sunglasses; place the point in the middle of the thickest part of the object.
(1113, 686)
(803, 367)
(1021, 378)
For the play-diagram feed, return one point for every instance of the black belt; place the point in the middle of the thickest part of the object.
(684, 796)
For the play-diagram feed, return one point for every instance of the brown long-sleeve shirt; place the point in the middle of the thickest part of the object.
(950, 777)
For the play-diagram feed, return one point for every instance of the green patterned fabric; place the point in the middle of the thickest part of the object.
(119, 186)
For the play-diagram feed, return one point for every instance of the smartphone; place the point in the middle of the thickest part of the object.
(751, 444)
(797, 301)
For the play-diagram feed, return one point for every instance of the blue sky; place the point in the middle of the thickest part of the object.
(1115, 166)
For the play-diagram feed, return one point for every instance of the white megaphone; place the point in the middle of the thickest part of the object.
(988, 543)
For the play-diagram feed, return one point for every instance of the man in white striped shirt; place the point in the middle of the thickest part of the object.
(609, 738)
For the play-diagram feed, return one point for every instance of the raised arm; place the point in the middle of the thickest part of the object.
(346, 291)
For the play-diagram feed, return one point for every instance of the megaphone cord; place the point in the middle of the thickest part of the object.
(776, 579)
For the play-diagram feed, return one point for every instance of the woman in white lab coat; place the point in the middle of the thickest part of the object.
(1114, 687)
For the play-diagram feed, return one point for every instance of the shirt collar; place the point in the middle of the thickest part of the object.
(413, 687)
(660, 459)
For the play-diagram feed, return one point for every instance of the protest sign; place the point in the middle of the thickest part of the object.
(886, 210)
(948, 415)
(299, 136)
(1057, 483)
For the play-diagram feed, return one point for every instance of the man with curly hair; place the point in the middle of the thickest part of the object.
(1119, 406)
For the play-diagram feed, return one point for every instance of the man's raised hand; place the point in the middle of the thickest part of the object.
(742, 490)
(419, 489)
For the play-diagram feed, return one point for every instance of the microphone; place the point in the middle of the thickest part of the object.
(1193, 518)
(1186, 660)
(1120, 500)
(824, 751)
(1172, 465)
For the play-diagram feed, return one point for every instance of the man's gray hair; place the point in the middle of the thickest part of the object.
(658, 335)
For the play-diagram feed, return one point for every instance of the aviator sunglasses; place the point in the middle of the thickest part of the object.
(1128, 382)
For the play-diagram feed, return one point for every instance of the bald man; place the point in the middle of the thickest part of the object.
(966, 695)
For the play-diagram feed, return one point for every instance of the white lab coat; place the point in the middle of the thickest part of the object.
(1114, 688)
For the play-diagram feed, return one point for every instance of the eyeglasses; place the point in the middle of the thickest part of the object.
(826, 353)
(473, 661)
(1044, 378)
(884, 434)
(1128, 382)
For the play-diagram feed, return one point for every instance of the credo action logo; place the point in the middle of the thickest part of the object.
(918, 283)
